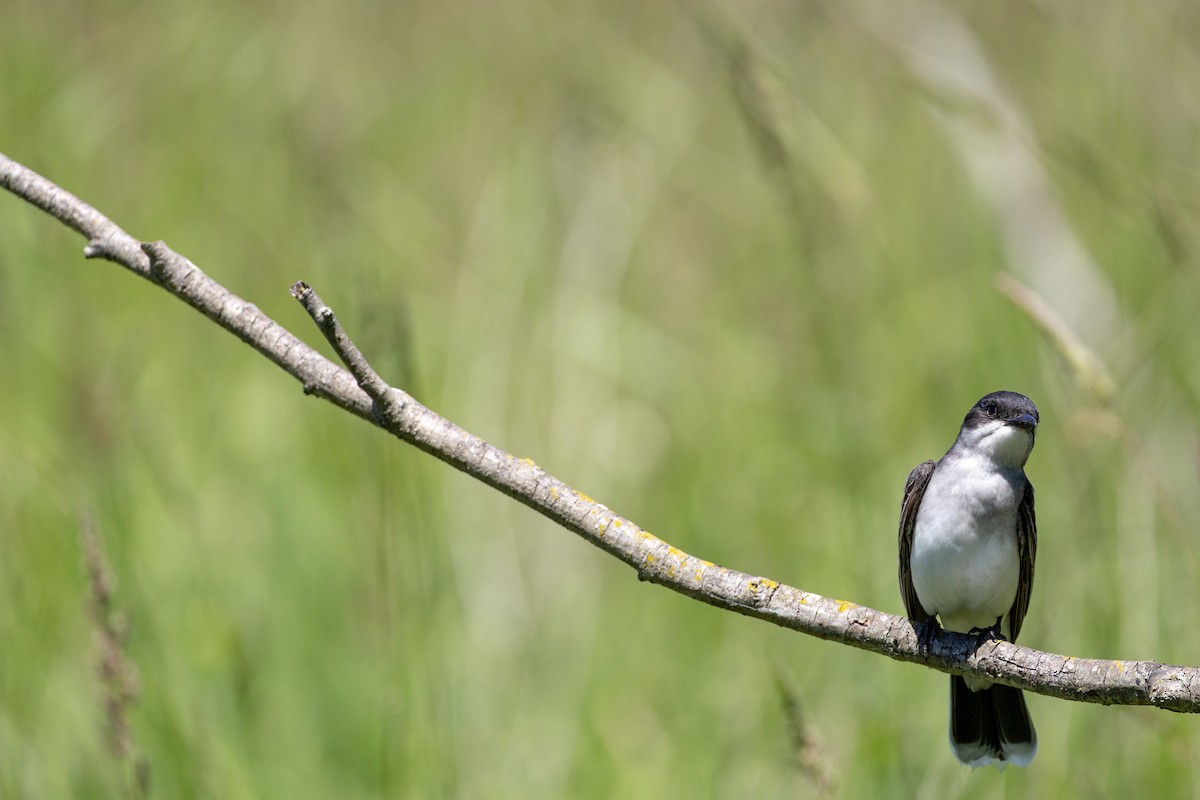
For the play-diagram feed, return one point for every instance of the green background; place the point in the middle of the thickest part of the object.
(724, 267)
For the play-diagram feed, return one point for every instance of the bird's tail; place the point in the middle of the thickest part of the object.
(990, 726)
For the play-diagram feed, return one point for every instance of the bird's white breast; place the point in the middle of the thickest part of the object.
(965, 565)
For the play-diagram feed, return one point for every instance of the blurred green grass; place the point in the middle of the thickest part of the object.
(564, 227)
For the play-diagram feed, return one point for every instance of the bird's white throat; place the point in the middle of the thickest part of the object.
(1007, 445)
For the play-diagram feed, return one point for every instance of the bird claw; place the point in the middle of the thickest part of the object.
(989, 634)
(926, 630)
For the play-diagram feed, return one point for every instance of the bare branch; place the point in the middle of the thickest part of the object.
(364, 393)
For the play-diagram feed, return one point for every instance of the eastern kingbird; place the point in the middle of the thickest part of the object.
(968, 538)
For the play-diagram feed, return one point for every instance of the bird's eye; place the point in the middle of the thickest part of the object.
(990, 409)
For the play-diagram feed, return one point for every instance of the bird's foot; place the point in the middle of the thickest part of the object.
(926, 630)
(989, 634)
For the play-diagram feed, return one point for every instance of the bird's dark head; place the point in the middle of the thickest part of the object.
(1002, 426)
(1008, 407)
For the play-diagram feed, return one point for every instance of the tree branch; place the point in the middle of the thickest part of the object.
(362, 392)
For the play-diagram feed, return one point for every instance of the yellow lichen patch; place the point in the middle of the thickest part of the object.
(707, 564)
(758, 584)
(585, 498)
(671, 571)
(616, 523)
(553, 492)
(844, 606)
(1120, 666)
(649, 558)
(676, 553)
(528, 461)
(698, 575)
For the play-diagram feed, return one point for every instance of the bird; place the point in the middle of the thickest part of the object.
(968, 540)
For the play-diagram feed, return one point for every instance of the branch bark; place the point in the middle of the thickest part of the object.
(361, 391)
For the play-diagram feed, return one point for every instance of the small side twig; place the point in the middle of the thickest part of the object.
(389, 402)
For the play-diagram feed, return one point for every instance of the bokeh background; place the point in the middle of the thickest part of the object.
(730, 268)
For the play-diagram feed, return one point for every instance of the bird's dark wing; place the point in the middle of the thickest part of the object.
(914, 490)
(1027, 552)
